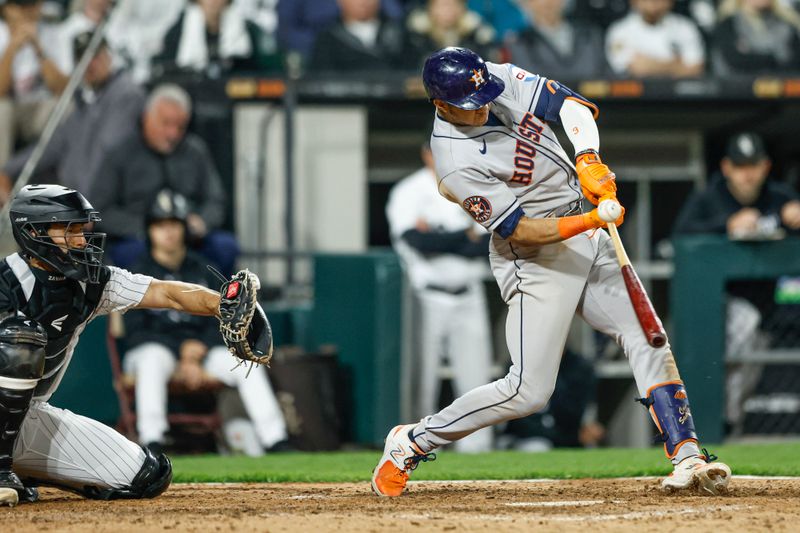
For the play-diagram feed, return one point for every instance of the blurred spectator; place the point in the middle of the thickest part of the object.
(136, 31)
(264, 13)
(161, 154)
(164, 344)
(444, 253)
(557, 47)
(85, 17)
(300, 21)
(209, 36)
(651, 42)
(741, 201)
(33, 71)
(106, 109)
(262, 24)
(444, 23)
(505, 16)
(756, 36)
(363, 40)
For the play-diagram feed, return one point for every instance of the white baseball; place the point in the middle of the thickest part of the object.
(609, 210)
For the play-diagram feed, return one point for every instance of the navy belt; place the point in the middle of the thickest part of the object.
(454, 291)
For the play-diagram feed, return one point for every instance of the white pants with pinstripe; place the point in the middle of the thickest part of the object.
(67, 449)
(544, 287)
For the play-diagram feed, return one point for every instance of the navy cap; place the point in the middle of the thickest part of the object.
(746, 148)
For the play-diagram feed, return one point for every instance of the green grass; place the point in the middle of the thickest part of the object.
(755, 459)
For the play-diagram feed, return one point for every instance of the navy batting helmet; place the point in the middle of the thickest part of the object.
(459, 77)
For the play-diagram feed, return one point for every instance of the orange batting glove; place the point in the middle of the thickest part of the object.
(597, 180)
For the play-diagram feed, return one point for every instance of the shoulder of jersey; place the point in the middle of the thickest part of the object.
(511, 72)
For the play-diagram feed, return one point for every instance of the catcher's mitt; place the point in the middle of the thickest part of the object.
(243, 324)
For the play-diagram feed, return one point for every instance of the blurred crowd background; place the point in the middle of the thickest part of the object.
(285, 128)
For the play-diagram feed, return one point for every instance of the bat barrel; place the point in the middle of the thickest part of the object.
(648, 319)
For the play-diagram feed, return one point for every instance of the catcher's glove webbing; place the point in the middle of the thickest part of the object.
(243, 324)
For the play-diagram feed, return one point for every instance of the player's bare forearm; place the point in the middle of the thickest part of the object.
(54, 79)
(180, 296)
(6, 77)
(536, 231)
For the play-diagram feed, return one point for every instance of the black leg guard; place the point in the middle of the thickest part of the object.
(153, 479)
(22, 356)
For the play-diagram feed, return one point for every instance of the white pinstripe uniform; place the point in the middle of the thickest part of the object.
(514, 166)
(55, 444)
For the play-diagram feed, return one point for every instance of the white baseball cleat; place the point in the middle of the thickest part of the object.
(695, 473)
(400, 457)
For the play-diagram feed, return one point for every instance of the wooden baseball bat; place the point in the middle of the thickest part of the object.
(648, 319)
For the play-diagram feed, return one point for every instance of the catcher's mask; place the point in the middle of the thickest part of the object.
(36, 208)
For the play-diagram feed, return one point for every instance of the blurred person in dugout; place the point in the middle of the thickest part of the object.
(106, 105)
(363, 39)
(444, 253)
(161, 154)
(755, 37)
(164, 344)
(213, 37)
(743, 204)
(34, 68)
(557, 46)
(652, 42)
(301, 21)
(442, 23)
(84, 17)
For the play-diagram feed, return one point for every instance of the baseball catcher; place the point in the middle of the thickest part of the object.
(49, 291)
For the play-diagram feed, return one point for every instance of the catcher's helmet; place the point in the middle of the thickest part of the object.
(459, 77)
(35, 208)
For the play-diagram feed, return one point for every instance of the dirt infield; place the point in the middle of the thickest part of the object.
(566, 506)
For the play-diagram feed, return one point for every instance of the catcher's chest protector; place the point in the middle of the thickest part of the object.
(60, 304)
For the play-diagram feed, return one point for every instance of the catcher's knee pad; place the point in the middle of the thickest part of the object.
(669, 407)
(22, 343)
(153, 478)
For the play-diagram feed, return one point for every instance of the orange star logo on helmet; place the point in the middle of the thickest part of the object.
(477, 78)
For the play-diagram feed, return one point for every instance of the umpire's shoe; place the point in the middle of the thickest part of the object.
(701, 473)
(12, 491)
(400, 456)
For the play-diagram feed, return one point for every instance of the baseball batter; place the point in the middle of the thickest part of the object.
(497, 156)
(50, 291)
